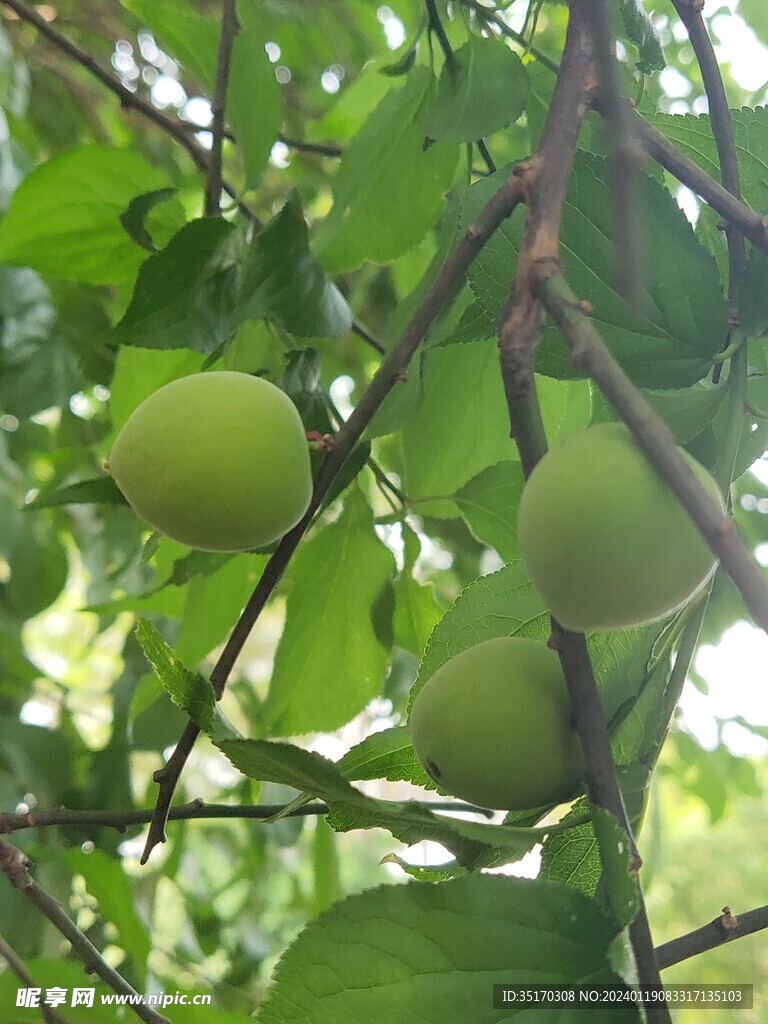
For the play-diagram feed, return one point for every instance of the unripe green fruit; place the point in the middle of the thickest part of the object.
(218, 461)
(604, 539)
(493, 726)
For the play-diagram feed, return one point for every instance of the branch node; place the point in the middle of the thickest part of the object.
(400, 377)
(472, 233)
(729, 923)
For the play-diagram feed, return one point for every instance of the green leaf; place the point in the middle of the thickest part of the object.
(504, 603)
(686, 411)
(353, 464)
(38, 566)
(326, 866)
(324, 674)
(621, 889)
(101, 491)
(754, 295)
(186, 34)
(283, 282)
(470, 435)
(140, 372)
(37, 368)
(573, 856)
(64, 219)
(685, 321)
(185, 294)
(693, 135)
(416, 612)
(433, 952)
(135, 217)
(474, 844)
(642, 32)
(488, 504)
(476, 324)
(301, 382)
(385, 755)
(189, 691)
(288, 765)
(388, 190)
(482, 88)
(254, 102)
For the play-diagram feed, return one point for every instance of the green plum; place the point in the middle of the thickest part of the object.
(493, 726)
(218, 461)
(604, 539)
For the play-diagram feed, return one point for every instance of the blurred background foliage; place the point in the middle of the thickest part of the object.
(82, 721)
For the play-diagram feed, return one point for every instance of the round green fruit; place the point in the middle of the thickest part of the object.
(493, 726)
(218, 461)
(604, 539)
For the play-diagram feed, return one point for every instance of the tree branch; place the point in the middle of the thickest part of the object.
(751, 224)
(588, 351)
(195, 810)
(16, 867)
(723, 929)
(177, 129)
(321, 148)
(391, 370)
(547, 176)
(362, 332)
(17, 965)
(722, 128)
(213, 187)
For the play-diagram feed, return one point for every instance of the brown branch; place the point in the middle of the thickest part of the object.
(723, 929)
(722, 128)
(195, 810)
(362, 332)
(182, 132)
(751, 224)
(321, 148)
(229, 28)
(547, 177)
(391, 370)
(19, 968)
(16, 867)
(588, 351)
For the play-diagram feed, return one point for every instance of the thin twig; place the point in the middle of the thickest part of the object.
(391, 370)
(588, 352)
(321, 148)
(721, 121)
(489, 17)
(179, 130)
(195, 810)
(19, 968)
(16, 867)
(229, 29)
(723, 929)
(362, 332)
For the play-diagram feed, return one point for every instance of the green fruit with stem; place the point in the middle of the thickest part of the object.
(604, 539)
(493, 726)
(218, 461)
